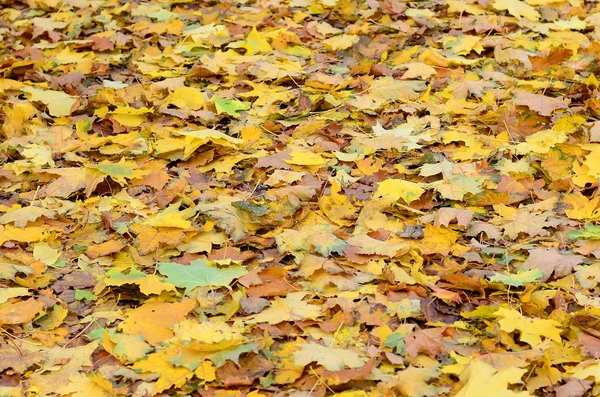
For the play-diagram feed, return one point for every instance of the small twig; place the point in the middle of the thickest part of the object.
(253, 190)
(78, 334)
(320, 380)
(335, 334)
(34, 196)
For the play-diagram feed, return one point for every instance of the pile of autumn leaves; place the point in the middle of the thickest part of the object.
(300, 198)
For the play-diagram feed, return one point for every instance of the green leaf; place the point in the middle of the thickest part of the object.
(84, 295)
(396, 341)
(230, 106)
(219, 358)
(518, 279)
(199, 274)
(590, 232)
(254, 209)
(481, 312)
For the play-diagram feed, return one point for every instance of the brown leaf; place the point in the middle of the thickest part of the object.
(590, 343)
(20, 361)
(444, 216)
(251, 367)
(574, 388)
(542, 104)
(551, 262)
(428, 341)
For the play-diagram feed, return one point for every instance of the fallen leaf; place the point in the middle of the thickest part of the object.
(154, 320)
(59, 103)
(531, 330)
(200, 273)
(481, 379)
(332, 358)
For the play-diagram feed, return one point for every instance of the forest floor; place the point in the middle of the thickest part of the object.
(299, 198)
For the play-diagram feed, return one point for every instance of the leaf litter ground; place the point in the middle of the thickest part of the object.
(300, 198)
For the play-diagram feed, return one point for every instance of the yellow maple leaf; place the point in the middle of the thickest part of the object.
(531, 329)
(299, 157)
(154, 320)
(256, 43)
(337, 207)
(290, 308)
(437, 239)
(172, 217)
(340, 42)
(332, 358)
(59, 103)
(149, 283)
(370, 246)
(206, 371)
(185, 98)
(586, 370)
(127, 348)
(517, 9)
(170, 375)
(286, 371)
(414, 381)
(28, 234)
(208, 332)
(120, 171)
(21, 216)
(396, 189)
(482, 380)
(582, 208)
(43, 252)
(464, 44)
(90, 385)
(130, 117)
